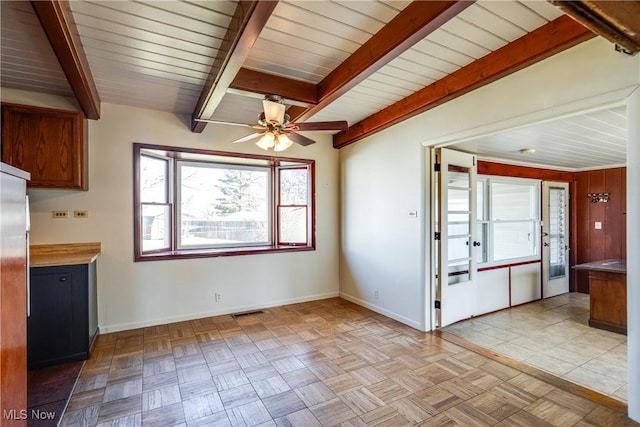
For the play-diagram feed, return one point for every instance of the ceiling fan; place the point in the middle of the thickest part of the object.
(276, 131)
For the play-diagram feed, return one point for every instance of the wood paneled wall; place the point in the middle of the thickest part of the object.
(516, 171)
(588, 243)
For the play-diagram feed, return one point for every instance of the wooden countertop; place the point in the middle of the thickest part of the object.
(607, 265)
(64, 254)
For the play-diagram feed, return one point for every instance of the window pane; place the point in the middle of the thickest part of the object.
(293, 224)
(480, 200)
(293, 186)
(458, 176)
(222, 206)
(514, 240)
(459, 200)
(153, 179)
(456, 228)
(458, 251)
(156, 230)
(482, 252)
(514, 201)
(458, 216)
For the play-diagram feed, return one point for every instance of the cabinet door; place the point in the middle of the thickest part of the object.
(48, 143)
(50, 326)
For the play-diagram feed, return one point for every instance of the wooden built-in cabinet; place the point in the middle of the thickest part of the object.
(50, 144)
(13, 296)
(607, 294)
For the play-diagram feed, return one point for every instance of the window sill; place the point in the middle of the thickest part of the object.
(212, 253)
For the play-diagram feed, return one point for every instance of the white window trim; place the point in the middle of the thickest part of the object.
(487, 180)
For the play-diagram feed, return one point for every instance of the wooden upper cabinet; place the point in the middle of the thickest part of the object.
(48, 143)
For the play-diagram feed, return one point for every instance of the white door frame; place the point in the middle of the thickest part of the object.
(457, 223)
(559, 284)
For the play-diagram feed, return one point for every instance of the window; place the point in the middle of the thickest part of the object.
(508, 213)
(195, 203)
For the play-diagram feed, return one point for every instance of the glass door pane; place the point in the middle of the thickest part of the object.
(456, 228)
(459, 224)
(557, 233)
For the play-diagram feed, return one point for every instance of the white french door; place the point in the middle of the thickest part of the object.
(455, 236)
(555, 238)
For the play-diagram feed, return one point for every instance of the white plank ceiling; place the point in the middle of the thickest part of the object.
(586, 141)
(152, 54)
(157, 54)
(478, 30)
(27, 60)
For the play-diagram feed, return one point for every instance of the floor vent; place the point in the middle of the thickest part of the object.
(246, 313)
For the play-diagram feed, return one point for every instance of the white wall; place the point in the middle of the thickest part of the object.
(633, 254)
(382, 176)
(145, 293)
(382, 249)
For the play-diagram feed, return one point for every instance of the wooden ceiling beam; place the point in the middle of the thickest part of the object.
(269, 84)
(411, 25)
(546, 41)
(246, 24)
(616, 21)
(59, 26)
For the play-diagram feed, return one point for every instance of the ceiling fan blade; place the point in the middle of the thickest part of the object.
(299, 139)
(247, 138)
(220, 122)
(336, 125)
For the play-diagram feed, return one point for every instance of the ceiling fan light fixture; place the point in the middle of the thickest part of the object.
(273, 111)
(282, 142)
(267, 141)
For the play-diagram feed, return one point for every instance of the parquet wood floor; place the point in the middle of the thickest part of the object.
(320, 363)
(553, 335)
(48, 391)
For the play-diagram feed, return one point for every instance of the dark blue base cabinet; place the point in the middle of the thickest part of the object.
(63, 322)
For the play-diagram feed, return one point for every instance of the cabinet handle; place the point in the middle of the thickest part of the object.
(62, 279)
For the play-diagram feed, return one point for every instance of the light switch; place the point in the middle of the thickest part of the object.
(598, 225)
(413, 214)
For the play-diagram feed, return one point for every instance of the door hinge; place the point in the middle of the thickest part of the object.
(436, 235)
(436, 304)
(436, 167)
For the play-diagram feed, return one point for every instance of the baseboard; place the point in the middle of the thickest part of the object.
(395, 316)
(221, 312)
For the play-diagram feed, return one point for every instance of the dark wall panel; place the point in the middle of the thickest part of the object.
(609, 242)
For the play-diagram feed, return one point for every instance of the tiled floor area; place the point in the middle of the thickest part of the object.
(553, 335)
(321, 363)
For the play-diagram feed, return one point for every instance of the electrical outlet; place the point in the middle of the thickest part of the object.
(60, 214)
(81, 214)
(375, 294)
(218, 297)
